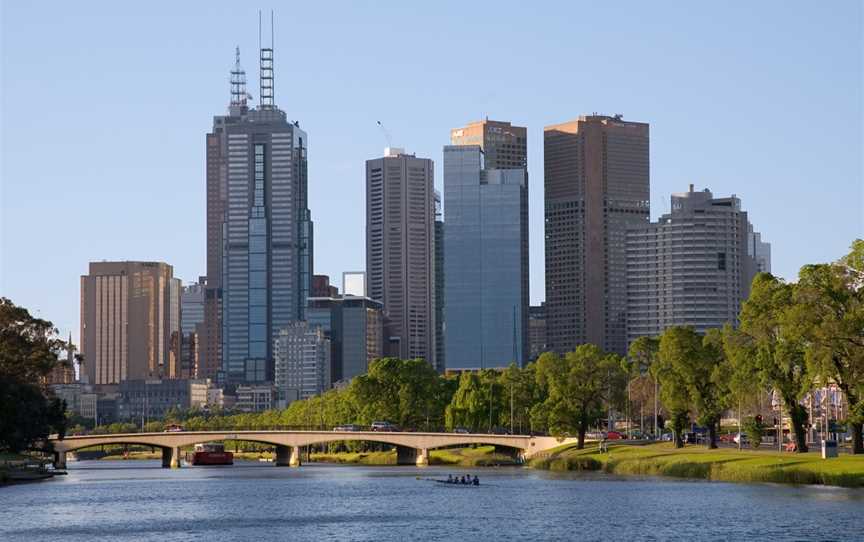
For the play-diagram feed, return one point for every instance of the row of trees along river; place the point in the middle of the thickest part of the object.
(791, 339)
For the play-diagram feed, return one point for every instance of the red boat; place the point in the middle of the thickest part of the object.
(211, 453)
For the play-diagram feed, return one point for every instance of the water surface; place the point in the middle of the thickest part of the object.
(138, 500)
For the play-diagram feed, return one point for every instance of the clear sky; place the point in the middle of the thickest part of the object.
(105, 106)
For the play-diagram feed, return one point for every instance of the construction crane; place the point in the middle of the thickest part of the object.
(386, 134)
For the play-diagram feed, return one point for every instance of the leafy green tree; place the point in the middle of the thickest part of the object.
(577, 388)
(829, 301)
(708, 381)
(772, 341)
(754, 430)
(400, 391)
(30, 348)
(674, 393)
(641, 356)
(469, 407)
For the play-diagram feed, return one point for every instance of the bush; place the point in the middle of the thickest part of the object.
(754, 430)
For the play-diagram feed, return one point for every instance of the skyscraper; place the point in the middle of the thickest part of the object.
(692, 267)
(596, 187)
(259, 229)
(486, 250)
(400, 251)
(130, 321)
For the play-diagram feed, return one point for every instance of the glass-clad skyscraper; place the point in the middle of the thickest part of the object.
(485, 261)
(257, 184)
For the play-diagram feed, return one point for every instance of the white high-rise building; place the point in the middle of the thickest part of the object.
(302, 355)
(693, 267)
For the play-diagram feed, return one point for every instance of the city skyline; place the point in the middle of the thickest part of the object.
(686, 147)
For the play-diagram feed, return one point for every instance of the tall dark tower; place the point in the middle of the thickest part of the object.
(259, 230)
(596, 188)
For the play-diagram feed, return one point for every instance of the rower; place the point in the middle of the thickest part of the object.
(449, 478)
(476, 481)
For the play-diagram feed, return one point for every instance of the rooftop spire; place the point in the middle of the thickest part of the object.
(266, 67)
(238, 82)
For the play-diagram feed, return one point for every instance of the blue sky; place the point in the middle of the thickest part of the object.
(105, 106)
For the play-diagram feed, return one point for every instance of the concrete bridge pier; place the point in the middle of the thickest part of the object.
(405, 455)
(171, 457)
(287, 456)
(60, 460)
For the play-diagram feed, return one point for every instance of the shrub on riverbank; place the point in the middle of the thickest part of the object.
(717, 465)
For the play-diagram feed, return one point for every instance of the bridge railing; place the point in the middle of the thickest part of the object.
(344, 428)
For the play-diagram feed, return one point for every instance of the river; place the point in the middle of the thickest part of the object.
(138, 500)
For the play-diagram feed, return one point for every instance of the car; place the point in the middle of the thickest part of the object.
(173, 428)
(739, 437)
(384, 427)
(347, 427)
(728, 437)
(613, 435)
(461, 430)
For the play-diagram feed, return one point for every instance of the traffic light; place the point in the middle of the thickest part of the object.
(660, 421)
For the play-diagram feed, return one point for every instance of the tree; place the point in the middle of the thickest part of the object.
(401, 391)
(641, 356)
(708, 381)
(469, 407)
(829, 313)
(771, 340)
(673, 385)
(577, 388)
(30, 348)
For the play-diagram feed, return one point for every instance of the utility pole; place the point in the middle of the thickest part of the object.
(655, 407)
(511, 407)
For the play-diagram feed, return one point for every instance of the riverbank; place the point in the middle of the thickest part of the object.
(17, 468)
(727, 465)
(481, 456)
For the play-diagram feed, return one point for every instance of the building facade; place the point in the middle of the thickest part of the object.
(252, 398)
(759, 250)
(536, 331)
(485, 261)
(130, 321)
(596, 188)
(504, 146)
(354, 326)
(439, 285)
(259, 231)
(144, 400)
(302, 354)
(192, 305)
(690, 268)
(400, 251)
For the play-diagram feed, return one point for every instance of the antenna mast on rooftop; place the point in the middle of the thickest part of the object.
(238, 82)
(266, 67)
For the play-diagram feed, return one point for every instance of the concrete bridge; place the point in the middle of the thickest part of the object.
(411, 448)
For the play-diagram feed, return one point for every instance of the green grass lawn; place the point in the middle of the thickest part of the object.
(728, 465)
(482, 456)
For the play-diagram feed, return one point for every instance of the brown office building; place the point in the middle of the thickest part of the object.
(400, 251)
(504, 146)
(130, 321)
(596, 187)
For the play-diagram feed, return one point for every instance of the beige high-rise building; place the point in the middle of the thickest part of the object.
(504, 146)
(596, 187)
(130, 321)
(400, 251)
